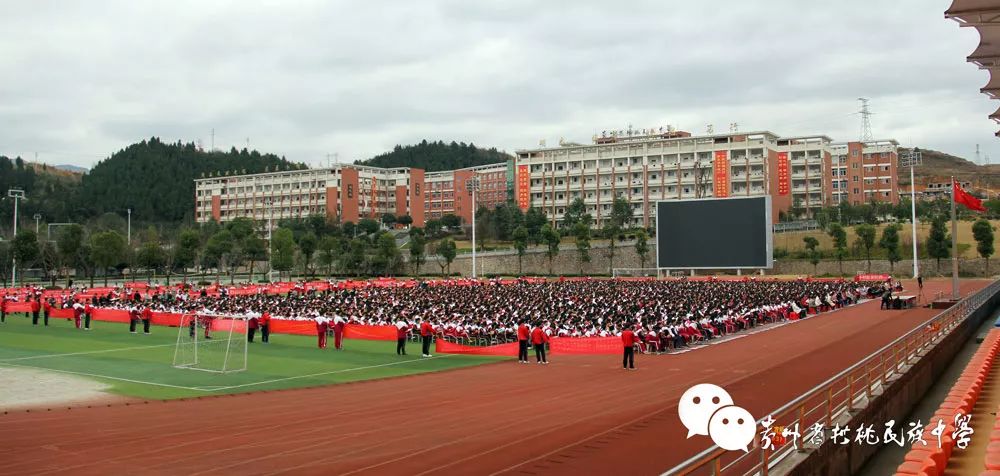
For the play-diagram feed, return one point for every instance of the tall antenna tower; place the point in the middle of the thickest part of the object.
(866, 121)
(977, 155)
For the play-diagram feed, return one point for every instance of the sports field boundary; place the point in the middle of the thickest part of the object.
(210, 388)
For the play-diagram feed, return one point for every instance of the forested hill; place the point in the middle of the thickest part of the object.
(436, 156)
(156, 180)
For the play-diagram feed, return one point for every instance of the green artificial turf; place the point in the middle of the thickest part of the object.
(139, 365)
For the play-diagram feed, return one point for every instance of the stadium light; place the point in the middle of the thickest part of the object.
(17, 194)
(472, 185)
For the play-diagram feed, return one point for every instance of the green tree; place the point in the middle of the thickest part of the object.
(25, 248)
(69, 241)
(354, 259)
(150, 255)
(811, 243)
(433, 227)
(611, 232)
(418, 244)
(218, 251)
(822, 218)
(405, 220)
(520, 237)
(368, 226)
(890, 242)
(387, 253)
(642, 246)
(621, 213)
(551, 237)
(582, 233)
(866, 239)
(982, 231)
(186, 253)
(938, 242)
(108, 249)
(451, 221)
(446, 251)
(307, 248)
(282, 250)
(534, 220)
(5, 262)
(254, 250)
(836, 231)
(49, 260)
(388, 219)
(574, 213)
(329, 252)
(434, 156)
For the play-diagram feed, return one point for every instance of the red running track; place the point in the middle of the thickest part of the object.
(579, 415)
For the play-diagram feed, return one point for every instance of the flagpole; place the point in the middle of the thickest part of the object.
(954, 245)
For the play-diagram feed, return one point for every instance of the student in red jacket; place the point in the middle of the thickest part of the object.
(426, 333)
(265, 327)
(3, 309)
(46, 307)
(252, 325)
(628, 341)
(36, 306)
(147, 319)
(402, 328)
(77, 313)
(538, 340)
(322, 327)
(133, 319)
(88, 311)
(523, 333)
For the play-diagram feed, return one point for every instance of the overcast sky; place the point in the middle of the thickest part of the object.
(80, 80)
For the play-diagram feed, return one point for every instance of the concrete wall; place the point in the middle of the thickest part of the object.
(568, 262)
(901, 394)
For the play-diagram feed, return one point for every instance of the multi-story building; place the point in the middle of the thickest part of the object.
(675, 165)
(799, 173)
(864, 172)
(447, 192)
(349, 192)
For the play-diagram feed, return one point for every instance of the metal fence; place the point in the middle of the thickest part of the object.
(842, 393)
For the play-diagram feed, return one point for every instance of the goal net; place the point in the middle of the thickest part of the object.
(211, 343)
(634, 272)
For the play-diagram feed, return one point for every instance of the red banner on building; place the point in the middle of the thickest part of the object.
(523, 185)
(721, 180)
(784, 178)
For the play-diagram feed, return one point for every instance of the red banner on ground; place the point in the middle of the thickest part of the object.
(557, 346)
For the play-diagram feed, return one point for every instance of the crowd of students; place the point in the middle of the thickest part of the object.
(661, 314)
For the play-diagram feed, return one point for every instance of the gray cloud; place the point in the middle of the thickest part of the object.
(303, 79)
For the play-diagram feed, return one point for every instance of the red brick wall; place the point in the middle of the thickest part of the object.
(417, 196)
(349, 186)
(217, 208)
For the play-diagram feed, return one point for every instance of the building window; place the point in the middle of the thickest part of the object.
(855, 190)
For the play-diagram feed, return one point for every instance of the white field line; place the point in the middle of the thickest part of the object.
(331, 372)
(86, 374)
(46, 356)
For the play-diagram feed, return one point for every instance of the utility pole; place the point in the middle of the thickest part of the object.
(472, 185)
(17, 194)
(913, 158)
(954, 245)
(213, 139)
(129, 239)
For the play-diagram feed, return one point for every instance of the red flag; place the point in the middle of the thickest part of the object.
(963, 197)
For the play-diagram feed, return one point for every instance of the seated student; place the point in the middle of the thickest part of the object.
(653, 342)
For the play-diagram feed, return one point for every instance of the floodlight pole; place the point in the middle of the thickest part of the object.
(16, 194)
(37, 217)
(473, 186)
(914, 157)
(130, 226)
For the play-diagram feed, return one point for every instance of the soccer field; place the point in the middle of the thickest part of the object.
(138, 365)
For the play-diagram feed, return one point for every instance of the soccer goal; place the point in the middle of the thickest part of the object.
(635, 272)
(211, 343)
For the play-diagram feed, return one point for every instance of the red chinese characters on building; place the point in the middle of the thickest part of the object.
(523, 183)
(721, 169)
(784, 179)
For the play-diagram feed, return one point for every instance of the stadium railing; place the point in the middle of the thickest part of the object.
(842, 393)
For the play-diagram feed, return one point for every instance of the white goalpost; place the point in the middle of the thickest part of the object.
(211, 344)
(636, 272)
